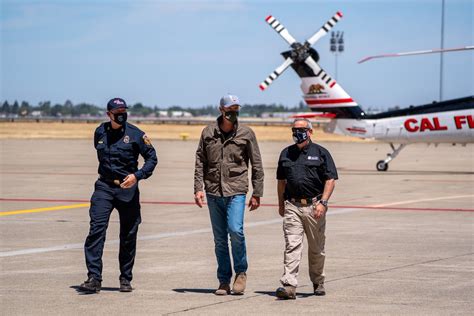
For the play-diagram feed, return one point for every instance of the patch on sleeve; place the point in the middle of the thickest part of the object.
(146, 140)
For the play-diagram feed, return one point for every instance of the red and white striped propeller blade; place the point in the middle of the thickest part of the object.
(325, 28)
(280, 29)
(420, 52)
(265, 83)
(319, 72)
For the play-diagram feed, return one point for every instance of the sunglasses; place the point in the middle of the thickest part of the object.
(299, 129)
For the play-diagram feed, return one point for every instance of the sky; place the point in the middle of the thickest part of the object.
(190, 53)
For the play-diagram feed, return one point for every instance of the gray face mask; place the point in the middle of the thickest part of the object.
(231, 116)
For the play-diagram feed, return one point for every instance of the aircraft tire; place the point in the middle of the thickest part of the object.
(382, 166)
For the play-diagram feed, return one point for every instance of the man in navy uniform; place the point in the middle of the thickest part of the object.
(118, 146)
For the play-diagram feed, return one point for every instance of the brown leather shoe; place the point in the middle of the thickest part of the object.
(91, 285)
(319, 289)
(239, 283)
(287, 292)
(223, 289)
(125, 285)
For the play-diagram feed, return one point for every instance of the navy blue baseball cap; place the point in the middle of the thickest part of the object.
(116, 103)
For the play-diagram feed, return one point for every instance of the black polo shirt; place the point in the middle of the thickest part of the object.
(305, 170)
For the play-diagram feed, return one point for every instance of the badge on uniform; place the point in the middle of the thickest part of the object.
(313, 158)
(146, 140)
(126, 139)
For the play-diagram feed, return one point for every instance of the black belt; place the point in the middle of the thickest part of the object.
(115, 182)
(303, 201)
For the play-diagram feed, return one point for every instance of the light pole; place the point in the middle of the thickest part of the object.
(336, 47)
(441, 54)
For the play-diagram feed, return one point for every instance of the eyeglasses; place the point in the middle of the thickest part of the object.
(299, 129)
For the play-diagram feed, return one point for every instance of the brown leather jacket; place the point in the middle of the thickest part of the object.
(222, 164)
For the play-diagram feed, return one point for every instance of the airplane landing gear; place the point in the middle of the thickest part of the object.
(382, 165)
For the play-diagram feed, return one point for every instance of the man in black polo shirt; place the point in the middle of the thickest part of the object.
(306, 178)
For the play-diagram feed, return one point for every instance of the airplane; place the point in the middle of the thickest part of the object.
(450, 121)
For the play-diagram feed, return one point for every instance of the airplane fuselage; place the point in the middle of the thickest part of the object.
(440, 127)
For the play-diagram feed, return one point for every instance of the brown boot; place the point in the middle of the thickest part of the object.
(287, 292)
(223, 289)
(239, 283)
(319, 289)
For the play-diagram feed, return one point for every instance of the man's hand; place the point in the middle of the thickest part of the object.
(199, 198)
(129, 181)
(319, 210)
(281, 210)
(254, 203)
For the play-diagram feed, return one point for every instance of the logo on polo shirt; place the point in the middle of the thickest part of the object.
(313, 158)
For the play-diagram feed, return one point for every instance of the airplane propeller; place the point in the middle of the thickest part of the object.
(300, 52)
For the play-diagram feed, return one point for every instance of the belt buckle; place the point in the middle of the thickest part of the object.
(117, 182)
(304, 202)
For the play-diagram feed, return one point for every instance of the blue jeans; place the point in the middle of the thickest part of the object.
(227, 219)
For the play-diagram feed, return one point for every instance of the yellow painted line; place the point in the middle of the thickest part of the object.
(45, 209)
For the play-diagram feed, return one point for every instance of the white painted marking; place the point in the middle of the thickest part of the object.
(153, 237)
(425, 200)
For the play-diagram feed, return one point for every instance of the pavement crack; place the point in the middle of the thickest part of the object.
(329, 281)
(400, 267)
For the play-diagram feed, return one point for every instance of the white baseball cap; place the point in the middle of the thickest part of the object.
(229, 100)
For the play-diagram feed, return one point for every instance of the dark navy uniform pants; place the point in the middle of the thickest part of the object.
(106, 197)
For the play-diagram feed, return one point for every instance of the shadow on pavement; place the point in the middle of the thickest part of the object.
(200, 291)
(272, 293)
(81, 292)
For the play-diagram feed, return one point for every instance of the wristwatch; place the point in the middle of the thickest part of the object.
(324, 202)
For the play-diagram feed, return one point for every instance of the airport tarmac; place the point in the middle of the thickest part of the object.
(399, 242)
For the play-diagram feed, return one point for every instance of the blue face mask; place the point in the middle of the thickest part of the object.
(300, 135)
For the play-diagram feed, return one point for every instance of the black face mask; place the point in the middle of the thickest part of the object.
(300, 135)
(120, 118)
(231, 116)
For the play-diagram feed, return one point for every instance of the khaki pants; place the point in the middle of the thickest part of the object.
(298, 220)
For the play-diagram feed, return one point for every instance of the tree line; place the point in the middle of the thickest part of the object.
(68, 109)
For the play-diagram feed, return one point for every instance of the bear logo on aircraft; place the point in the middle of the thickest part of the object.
(316, 89)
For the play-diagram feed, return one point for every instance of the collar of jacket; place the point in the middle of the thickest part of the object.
(108, 127)
(217, 129)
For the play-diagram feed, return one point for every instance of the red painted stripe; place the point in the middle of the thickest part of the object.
(339, 13)
(262, 87)
(367, 207)
(268, 18)
(328, 101)
(313, 115)
(356, 130)
(332, 84)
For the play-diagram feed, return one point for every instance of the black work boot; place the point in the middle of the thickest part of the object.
(287, 292)
(125, 285)
(319, 289)
(91, 285)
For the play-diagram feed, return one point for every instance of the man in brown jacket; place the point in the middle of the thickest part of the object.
(222, 162)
